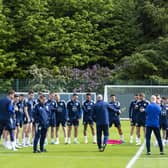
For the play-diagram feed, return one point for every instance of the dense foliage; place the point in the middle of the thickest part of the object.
(64, 40)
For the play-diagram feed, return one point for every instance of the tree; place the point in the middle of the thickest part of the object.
(154, 17)
(26, 18)
(74, 35)
(150, 62)
(7, 62)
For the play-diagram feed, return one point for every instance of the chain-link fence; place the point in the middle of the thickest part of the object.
(24, 85)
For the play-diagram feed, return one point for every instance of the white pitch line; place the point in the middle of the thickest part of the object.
(153, 158)
(136, 156)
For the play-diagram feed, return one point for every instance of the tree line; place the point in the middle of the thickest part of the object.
(98, 41)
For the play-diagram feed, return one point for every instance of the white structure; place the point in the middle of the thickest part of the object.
(125, 94)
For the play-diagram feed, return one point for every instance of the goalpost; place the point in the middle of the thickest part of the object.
(125, 94)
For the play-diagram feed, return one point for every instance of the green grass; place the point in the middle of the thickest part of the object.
(82, 155)
(152, 161)
(155, 160)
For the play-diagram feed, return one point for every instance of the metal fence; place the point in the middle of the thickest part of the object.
(65, 96)
(24, 85)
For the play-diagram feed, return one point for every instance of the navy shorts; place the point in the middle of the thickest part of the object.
(115, 122)
(73, 122)
(19, 123)
(86, 122)
(59, 122)
(140, 123)
(52, 123)
(26, 120)
(133, 122)
(163, 125)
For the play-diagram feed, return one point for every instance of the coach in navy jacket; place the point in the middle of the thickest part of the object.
(153, 111)
(101, 117)
(41, 120)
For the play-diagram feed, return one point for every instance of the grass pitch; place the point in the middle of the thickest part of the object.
(83, 155)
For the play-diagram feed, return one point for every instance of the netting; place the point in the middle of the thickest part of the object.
(125, 94)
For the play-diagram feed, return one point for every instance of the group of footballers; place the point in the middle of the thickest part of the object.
(30, 117)
(24, 118)
(137, 117)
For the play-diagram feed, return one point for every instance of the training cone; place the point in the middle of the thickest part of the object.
(113, 141)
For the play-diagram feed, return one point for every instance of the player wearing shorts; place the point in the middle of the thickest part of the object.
(163, 118)
(133, 115)
(167, 125)
(114, 115)
(28, 120)
(51, 106)
(74, 114)
(12, 123)
(6, 113)
(88, 107)
(19, 116)
(61, 118)
(14, 117)
(141, 116)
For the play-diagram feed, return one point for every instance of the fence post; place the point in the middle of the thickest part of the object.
(17, 85)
